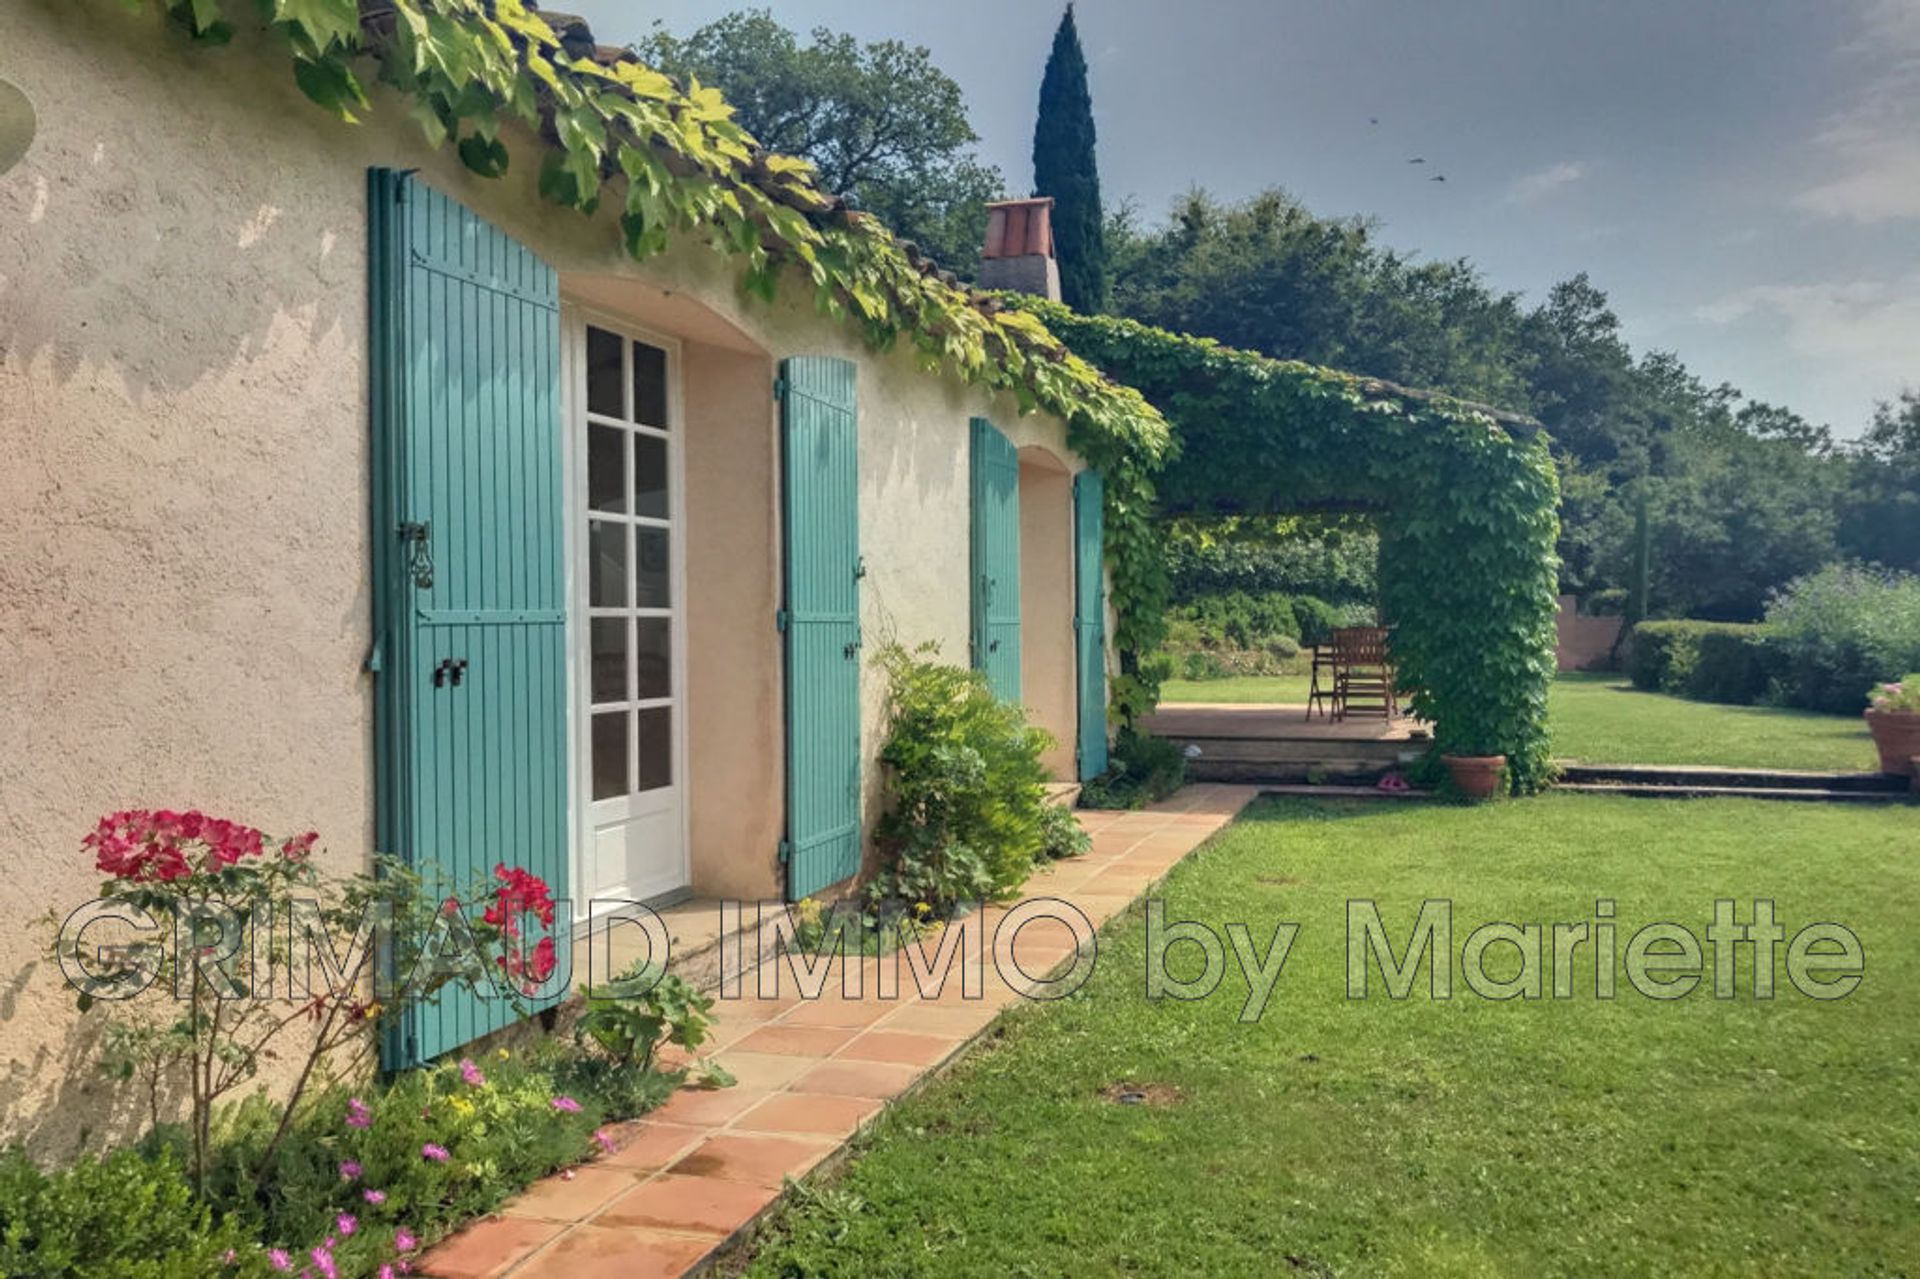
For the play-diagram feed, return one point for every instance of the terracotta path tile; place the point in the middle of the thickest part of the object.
(838, 1012)
(653, 1145)
(858, 1079)
(763, 1070)
(796, 1041)
(938, 1019)
(708, 1106)
(756, 1158)
(704, 1205)
(900, 1047)
(599, 1252)
(487, 1248)
(571, 1199)
(808, 1114)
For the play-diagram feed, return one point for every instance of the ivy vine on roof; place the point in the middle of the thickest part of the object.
(676, 162)
(1466, 499)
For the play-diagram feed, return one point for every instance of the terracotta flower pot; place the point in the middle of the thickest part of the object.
(1477, 776)
(1896, 734)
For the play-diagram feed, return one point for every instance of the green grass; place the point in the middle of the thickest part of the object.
(1290, 690)
(1602, 719)
(1464, 1137)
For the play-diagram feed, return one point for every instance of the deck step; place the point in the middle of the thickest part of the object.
(1282, 749)
(1802, 794)
(1701, 775)
(1214, 769)
(1344, 792)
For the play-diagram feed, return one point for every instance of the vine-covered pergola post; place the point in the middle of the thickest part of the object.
(1465, 498)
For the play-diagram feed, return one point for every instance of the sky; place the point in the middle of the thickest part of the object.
(1742, 177)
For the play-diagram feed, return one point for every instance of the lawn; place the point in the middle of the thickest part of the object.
(1602, 719)
(1421, 1137)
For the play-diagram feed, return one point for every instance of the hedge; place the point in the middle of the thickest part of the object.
(1707, 661)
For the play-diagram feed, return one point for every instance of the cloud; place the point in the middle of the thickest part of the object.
(1870, 329)
(1872, 148)
(1532, 187)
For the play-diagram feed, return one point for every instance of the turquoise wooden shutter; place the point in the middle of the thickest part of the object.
(996, 559)
(820, 462)
(1090, 620)
(470, 622)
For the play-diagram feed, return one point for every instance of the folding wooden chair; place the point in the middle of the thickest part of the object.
(1327, 698)
(1363, 673)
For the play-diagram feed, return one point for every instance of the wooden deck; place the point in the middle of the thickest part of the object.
(1265, 743)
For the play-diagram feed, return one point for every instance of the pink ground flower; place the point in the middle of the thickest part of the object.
(434, 1151)
(346, 1223)
(605, 1141)
(404, 1240)
(566, 1104)
(349, 1170)
(471, 1073)
(375, 1196)
(359, 1115)
(280, 1258)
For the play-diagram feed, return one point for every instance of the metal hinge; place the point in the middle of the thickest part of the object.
(786, 851)
(780, 620)
(779, 388)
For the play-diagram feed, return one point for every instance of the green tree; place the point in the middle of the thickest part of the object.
(1065, 167)
(1268, 275)
(884, 127)
(1880, 509)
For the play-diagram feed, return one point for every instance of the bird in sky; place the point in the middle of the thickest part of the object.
(1373, 119)
(1418, 159)
(1438, 177)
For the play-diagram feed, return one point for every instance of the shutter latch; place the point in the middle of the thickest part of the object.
(419, 551)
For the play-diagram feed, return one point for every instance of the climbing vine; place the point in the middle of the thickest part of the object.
(1465, 498)
(673, 160)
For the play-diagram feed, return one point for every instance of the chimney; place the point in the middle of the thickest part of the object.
(1019, 252)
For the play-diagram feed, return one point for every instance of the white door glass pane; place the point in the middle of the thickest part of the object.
(656, 748)
(652, 581)
(610, 659)
(610, 754)
(607, 564)
(650, 476)
(655, 647)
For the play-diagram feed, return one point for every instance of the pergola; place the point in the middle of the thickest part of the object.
(1464, 496)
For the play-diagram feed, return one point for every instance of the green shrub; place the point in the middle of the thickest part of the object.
(965, 786)
(1840, 631)
(1140, 769)
(1707, 661)
(1315, 619)
(1338, 568)
(1061, 834)
(643, 1008)
(124, 1216)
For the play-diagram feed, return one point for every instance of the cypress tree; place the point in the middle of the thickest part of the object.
(1064, 168)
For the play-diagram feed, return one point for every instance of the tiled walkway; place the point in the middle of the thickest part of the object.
(811, 1073)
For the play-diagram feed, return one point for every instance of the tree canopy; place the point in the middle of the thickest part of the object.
(883, 126)
(1741, 495)
(1065, 167)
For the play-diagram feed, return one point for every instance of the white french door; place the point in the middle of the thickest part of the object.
(627, 601)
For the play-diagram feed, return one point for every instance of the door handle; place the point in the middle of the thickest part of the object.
(418, 551)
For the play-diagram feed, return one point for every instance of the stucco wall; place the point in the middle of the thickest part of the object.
(184, 542)
(1047, 657)
(735, 754)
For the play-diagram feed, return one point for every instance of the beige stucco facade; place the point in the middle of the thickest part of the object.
(184, 527)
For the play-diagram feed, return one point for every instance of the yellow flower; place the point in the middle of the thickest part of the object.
(502, 1054)
(460, 1105)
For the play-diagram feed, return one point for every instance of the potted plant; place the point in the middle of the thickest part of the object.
(1893, 717)
(1477, 776)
